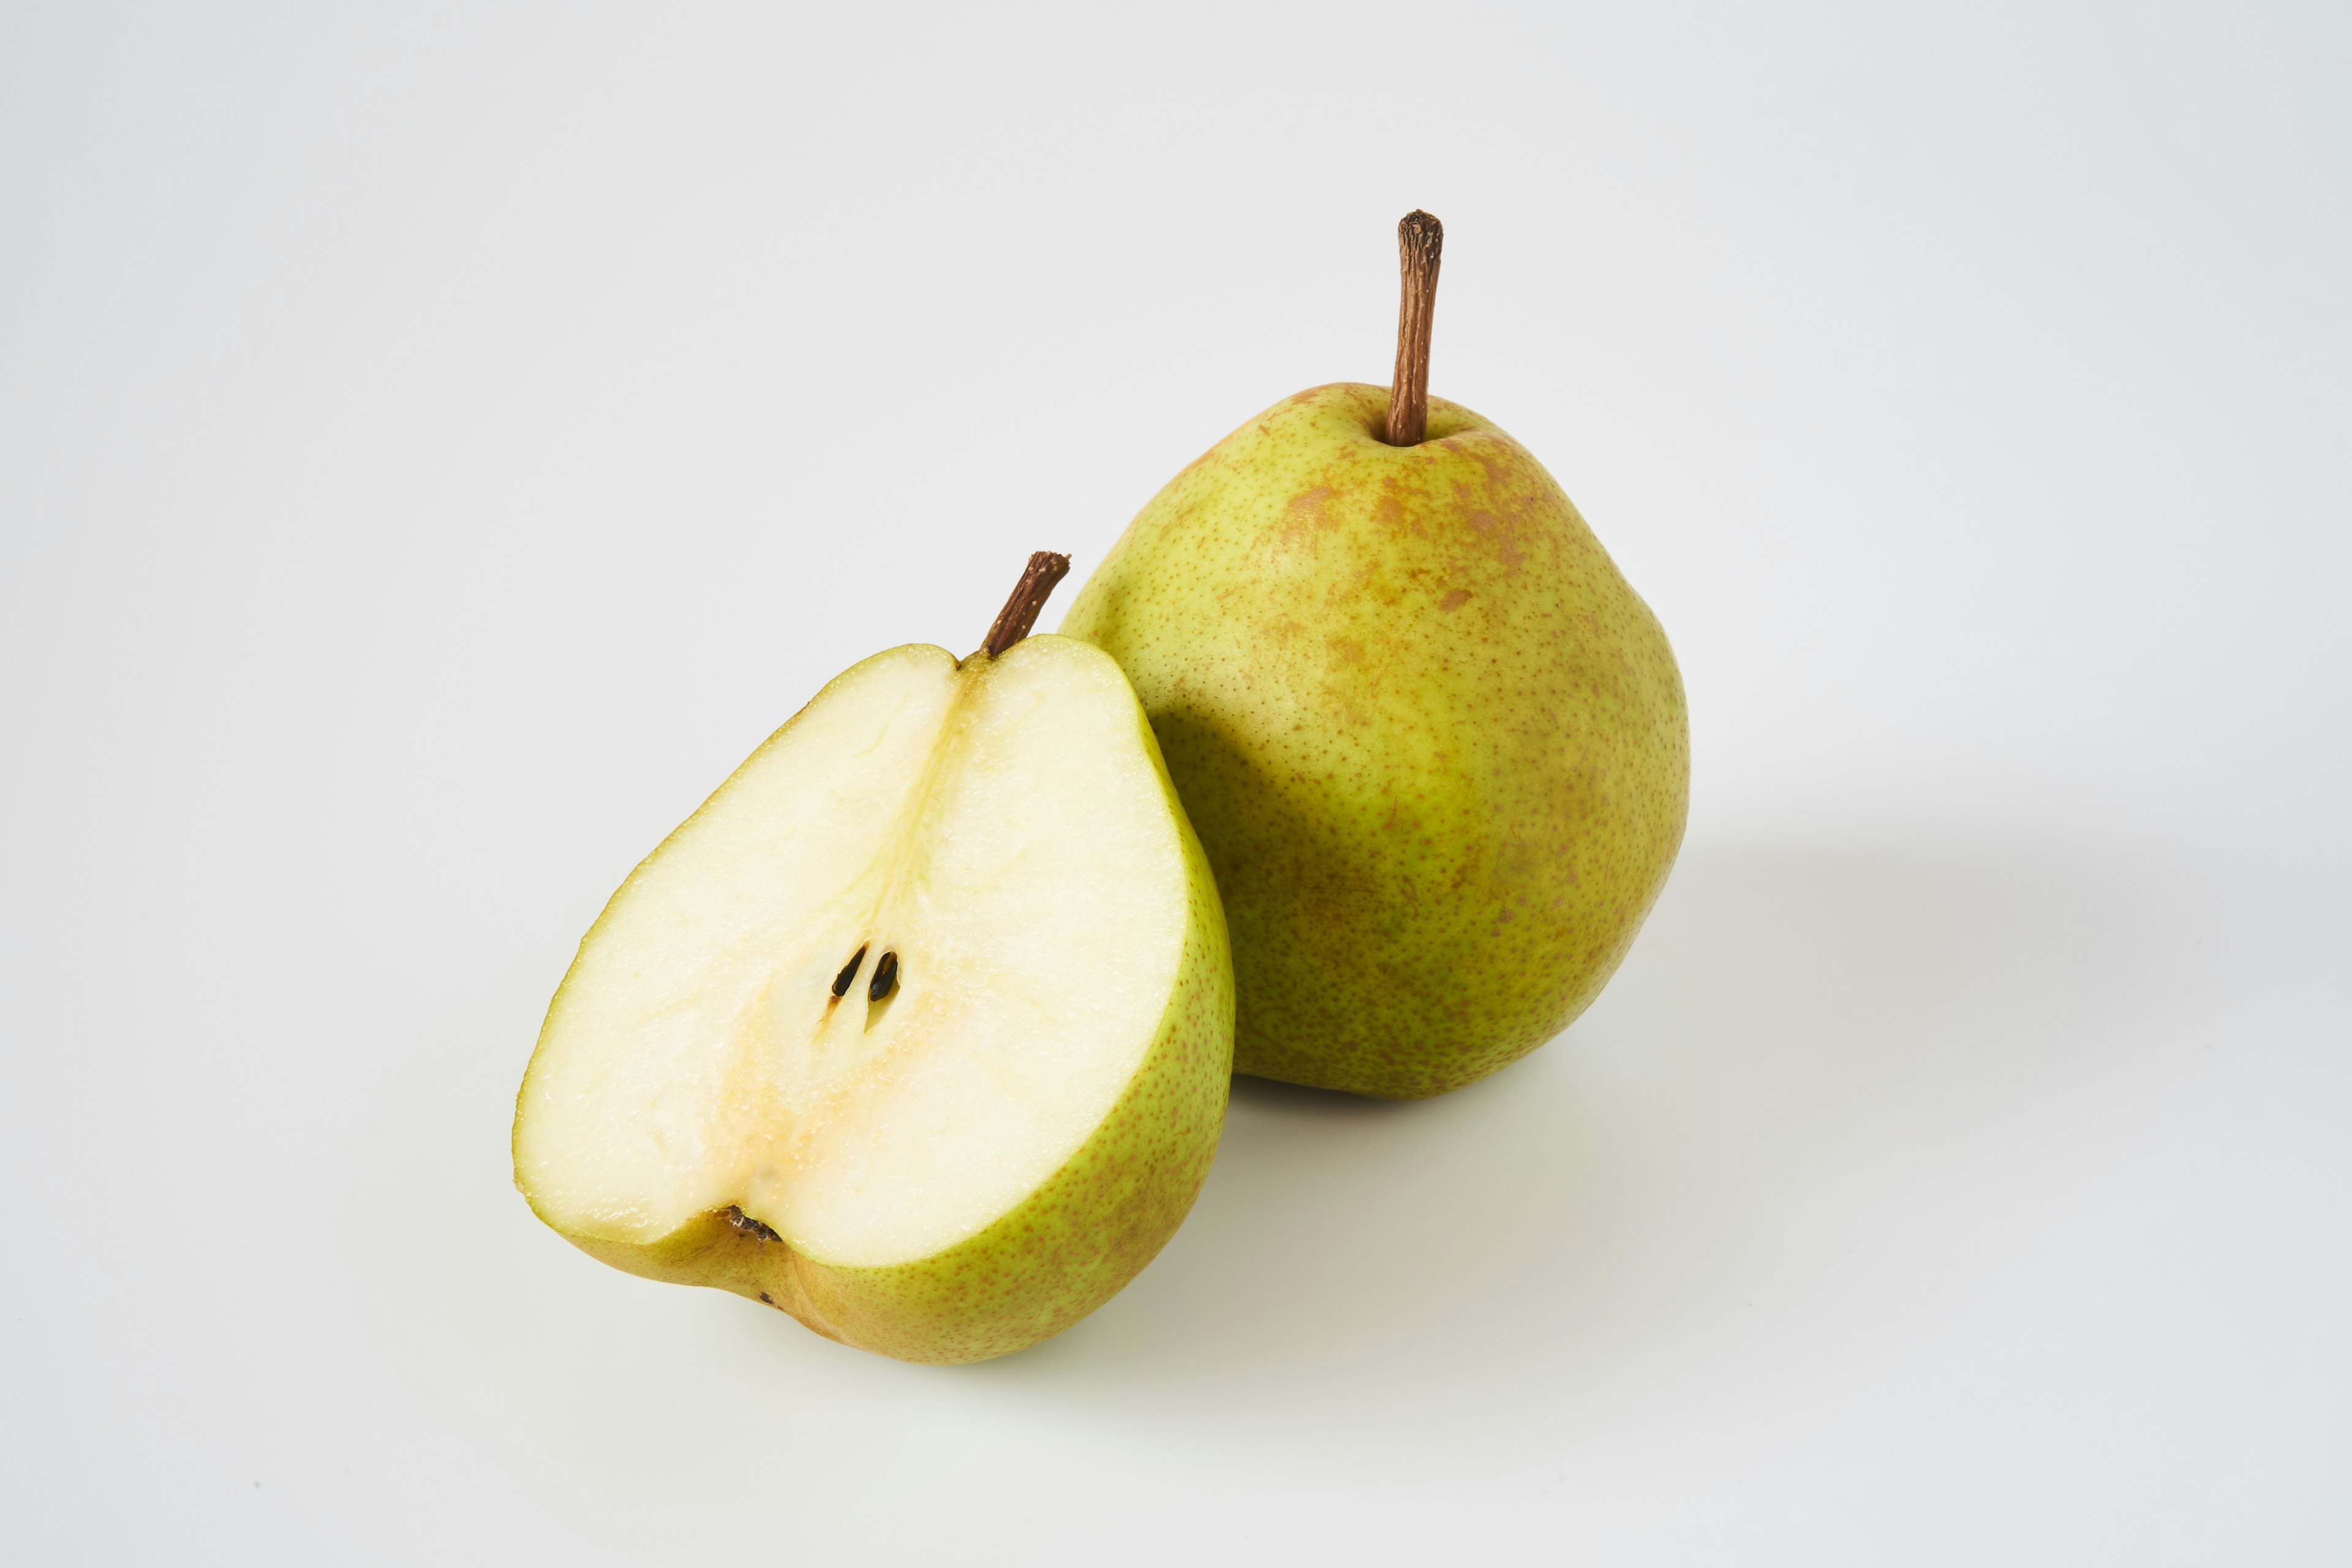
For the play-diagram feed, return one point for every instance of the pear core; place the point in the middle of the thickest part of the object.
(999, 831)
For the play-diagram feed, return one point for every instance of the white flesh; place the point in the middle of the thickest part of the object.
(1004, 829)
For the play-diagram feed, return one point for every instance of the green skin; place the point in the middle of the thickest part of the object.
(1433, 742)
(1067, 1249)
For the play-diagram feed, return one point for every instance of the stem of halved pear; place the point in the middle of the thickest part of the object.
(1420, 238)
(1029, 596)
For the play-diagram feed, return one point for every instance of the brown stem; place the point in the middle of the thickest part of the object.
(1419, 239)
(1029, 596)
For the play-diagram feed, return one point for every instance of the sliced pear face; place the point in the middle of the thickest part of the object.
(900, 971)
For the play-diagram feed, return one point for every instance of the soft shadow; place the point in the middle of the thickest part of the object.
(1798, 1027)
(1367, 1288)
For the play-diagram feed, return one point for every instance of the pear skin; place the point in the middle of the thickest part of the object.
(1434, 744)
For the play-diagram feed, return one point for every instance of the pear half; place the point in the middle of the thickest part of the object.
(918, 1030)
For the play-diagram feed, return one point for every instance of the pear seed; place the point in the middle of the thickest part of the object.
(886, 977)
(848, 972)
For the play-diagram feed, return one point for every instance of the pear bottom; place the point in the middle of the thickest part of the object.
(1064, 1251)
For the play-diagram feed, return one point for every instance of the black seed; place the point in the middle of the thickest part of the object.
(885, 975)
(848, 972)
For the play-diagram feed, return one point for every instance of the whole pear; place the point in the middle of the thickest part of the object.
(1434, 744)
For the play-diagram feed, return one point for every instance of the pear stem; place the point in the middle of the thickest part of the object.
(1420, 238)
(1029, 596)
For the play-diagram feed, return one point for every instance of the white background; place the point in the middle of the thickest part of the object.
(435, 444)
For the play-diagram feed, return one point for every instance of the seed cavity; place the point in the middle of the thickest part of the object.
(848, 972)
(885, 978)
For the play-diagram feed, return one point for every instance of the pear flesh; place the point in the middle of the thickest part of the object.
(1433, 742)
(918, 1029)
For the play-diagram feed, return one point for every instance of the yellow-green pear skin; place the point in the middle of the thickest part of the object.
(1435, 744)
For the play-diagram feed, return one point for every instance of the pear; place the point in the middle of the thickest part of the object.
(1433, 742)
(920, 1029)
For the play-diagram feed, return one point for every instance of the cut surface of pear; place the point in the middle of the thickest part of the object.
(918, 1029)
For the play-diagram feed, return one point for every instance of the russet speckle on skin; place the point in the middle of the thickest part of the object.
(1434, 744)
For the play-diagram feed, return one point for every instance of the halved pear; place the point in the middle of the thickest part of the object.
(920, 1029)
